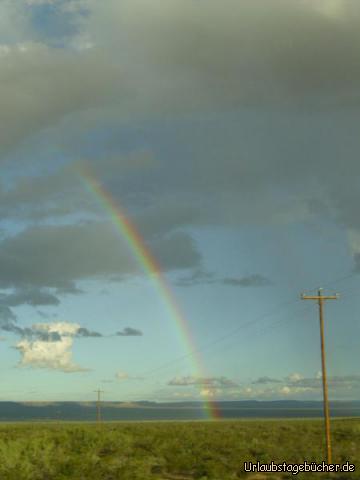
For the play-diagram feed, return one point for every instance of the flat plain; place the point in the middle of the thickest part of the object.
(171, 450)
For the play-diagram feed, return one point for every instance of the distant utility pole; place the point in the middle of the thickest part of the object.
(98, 405)
(321, 299)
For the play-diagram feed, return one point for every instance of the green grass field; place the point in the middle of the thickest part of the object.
(170, 450)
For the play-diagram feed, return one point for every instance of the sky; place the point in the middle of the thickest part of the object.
(174, 174)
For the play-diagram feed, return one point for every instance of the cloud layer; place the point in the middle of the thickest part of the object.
(177, 55)
(294, 386)
(210, 382)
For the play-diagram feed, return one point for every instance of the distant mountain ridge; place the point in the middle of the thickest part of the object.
(145, 410)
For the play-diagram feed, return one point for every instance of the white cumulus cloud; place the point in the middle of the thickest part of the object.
(62, 328)
(294, 377)
(53, 355)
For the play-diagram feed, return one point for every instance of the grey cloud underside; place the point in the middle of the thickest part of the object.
(200, 277)
(255, 280)
(33, 333)
(265, 380)
(57, 256)
(256, 169)
(8, 323)
(197, 277)
(136, 182)
(84, 333)
(6, 315)
(34, 297)
(129, 332)
(45, 315)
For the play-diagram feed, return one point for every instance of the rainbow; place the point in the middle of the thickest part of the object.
(149, 264)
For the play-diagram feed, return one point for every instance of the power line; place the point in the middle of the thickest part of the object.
(221, 339)
(336, 281)
(217, 340)
(273, 325)
(234, 332)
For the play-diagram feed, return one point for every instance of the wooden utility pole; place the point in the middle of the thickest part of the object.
(321, 299)
(98, 405)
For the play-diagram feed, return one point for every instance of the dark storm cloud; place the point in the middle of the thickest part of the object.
(8, 324)
(41, 195)
(269, 53)
(264, 165)
(38, 331)
(8, 320)
(129, 332)
(85, 333)
(239, 53)
(45, 73)
(197, 277)
(255, 280)
(54, 256)
(32, 297)
(200, 277)
(68, 288)
(176, 250)
(56, 192)
(6, 315)
(174, 213)
(177, 56)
